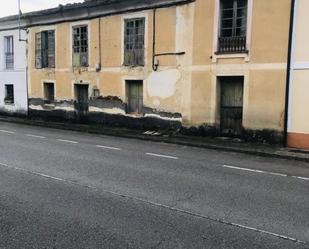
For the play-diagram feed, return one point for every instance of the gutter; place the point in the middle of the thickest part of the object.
(42, 18)
(288, 74)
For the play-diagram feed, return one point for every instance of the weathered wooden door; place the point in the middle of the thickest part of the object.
(82, 101)
(135, 96)
(231, 105)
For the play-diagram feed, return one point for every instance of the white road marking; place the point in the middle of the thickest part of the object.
(301, 178)
(163, 156)
(9, 132)
(108, 147)
(67, 141)
(35, 136)
(158, 205)
(265, 172)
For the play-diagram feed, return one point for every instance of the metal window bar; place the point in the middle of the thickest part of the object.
(9, 60)
(233, 27)
(134, 42)
(9, 94)
(9, 52)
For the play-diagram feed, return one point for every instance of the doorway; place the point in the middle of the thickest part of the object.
(81, 101)
(135, 96)
(231, 107)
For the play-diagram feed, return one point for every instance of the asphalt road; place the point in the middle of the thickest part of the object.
(63, 189)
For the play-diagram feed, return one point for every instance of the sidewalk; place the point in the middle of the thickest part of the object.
(223, 144)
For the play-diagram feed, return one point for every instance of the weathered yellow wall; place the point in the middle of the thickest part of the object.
(111, 79)
(194, 88)
(264, 68)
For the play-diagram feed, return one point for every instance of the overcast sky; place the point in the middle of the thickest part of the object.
(10, 6)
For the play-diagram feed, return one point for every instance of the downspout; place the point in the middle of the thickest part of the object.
(154, 66)
(99, 66)
(26, 41)
(288, 75)
(154, 54)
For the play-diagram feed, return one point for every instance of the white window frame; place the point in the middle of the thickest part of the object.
(246, 56)
(133, 16)
(72, 25)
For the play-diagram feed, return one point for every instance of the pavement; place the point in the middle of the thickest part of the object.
(216, 143)
(69, 189)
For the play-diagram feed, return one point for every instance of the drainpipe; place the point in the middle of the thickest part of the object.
(154, 54)
(288, 75)
(99, 66)
(26, 41)
(154, 66)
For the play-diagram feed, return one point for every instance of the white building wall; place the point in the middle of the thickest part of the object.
(16, 76)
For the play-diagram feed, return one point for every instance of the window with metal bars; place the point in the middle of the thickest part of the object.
(9, 52)
(9, 94)
(80, 46)
(45, 49)
(233, 26)
(134, 42)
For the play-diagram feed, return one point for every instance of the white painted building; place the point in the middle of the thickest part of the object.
(13, 72)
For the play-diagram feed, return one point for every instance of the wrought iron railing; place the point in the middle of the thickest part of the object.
(235, 44)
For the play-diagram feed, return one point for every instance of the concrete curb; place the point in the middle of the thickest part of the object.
(280, 154)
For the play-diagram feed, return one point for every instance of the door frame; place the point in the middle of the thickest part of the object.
(219, 102)
(127, 92)
(80, 114)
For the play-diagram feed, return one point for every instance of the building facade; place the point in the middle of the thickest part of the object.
(210, 66)
(298, 111)
(13, 72)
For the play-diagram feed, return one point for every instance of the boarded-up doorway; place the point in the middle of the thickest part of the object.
(231, 110)
(135, 96)
(81, 101)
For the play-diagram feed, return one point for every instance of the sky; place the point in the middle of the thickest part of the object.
(10, 6)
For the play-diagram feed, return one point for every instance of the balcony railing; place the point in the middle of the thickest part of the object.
(9, 60)
(235, 44)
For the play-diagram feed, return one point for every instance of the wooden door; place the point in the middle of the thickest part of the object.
(231, 105)
(82, 101)
(135, 97)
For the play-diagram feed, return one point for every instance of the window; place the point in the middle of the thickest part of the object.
(9, 94)
(233, 26)
(9, 52)
(49, 92)
(80, 46)
(45, 49)
(134, 42)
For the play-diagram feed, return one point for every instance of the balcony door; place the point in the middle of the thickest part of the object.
(233, 26)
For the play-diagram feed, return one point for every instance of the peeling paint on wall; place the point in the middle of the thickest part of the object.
(163, 84)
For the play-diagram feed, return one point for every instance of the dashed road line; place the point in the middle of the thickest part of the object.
(162, 156)
(198, 215)
(67, 141)
(35, 136)
(108, 147)
(301, 178)
(9, 132)
(264, 172)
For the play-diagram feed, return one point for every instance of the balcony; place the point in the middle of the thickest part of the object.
(229, 45)
(9, 60)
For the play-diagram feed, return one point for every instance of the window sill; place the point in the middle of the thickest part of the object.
(220, 55)
(9, 103)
